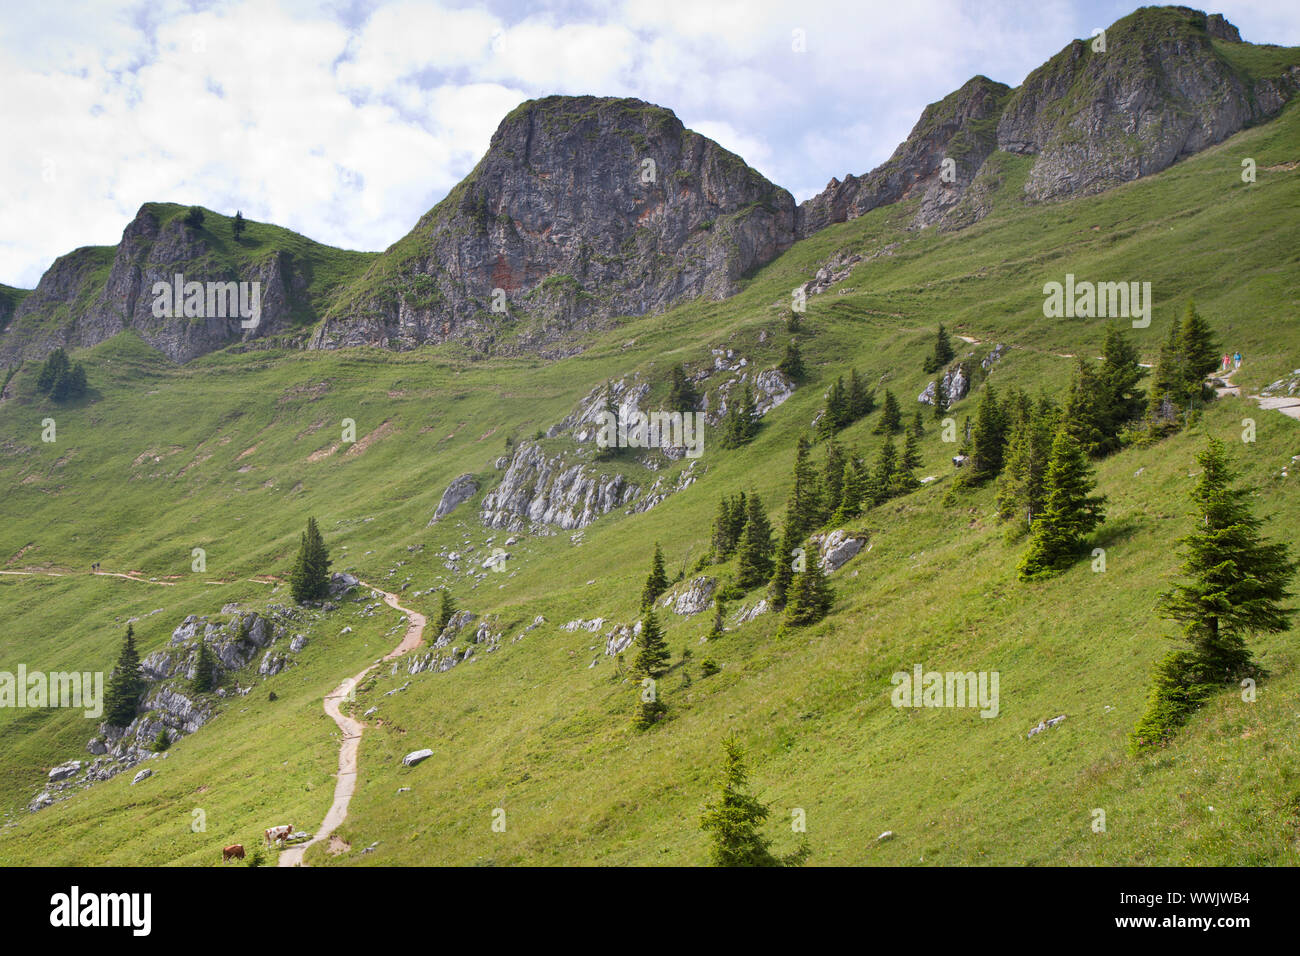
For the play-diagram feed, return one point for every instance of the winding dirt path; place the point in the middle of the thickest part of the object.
(346, 780)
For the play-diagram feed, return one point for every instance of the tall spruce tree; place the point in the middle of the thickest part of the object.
(1235, 583)
(1236, 580)
(125, 684)
(881, 481)
(1200, 351)
(891, 418)
(310, 578)
(832, 479)
(656, 582)
(1021, 487)
(754, 554)
(1070, 512)
(988, 440)
(783, 566)
(1120, 373)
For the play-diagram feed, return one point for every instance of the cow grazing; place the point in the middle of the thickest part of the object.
(279, 834)
(235, 851)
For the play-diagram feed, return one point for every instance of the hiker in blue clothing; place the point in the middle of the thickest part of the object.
(1236, 359)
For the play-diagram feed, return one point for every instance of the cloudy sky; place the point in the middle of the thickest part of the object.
(347, 120)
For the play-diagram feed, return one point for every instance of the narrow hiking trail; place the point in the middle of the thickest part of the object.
(63, 572)
(351, 728)
(1287, 405)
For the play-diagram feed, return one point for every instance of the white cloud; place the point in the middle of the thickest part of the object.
(346, 123)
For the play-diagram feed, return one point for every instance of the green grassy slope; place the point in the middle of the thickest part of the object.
(218, 454)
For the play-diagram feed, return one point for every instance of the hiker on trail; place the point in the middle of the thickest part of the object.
(1237, 361)
(1226, 361)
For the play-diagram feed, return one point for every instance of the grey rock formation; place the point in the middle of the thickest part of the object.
(838, 547)
(550, 491)
(65, 770)
(582, 209)
(694, 598)
(458, 492)
(341, 583)
(1159, 92)
(73, 305)
(958, 127)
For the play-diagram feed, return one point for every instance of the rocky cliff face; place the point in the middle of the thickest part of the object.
(1166, 85)
(1161, 90)
(94, 293)
(960, 127)
(582, 209)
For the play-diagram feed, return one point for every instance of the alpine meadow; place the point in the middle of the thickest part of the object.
(627, 512)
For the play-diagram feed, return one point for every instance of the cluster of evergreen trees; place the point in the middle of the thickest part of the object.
(740, 422)
(60, 378)
(1178, 386)
(845, 404)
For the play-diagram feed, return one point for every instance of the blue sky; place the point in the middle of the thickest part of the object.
(346, 121)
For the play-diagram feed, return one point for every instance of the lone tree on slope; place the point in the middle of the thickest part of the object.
(310, 580)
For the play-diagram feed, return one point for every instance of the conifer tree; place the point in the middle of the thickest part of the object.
(719, 628)
(446, 610)
(656, 583)
(810, 594)
(237, 225)
(125, 685)
(652, 656)
(988, 440)
(940, 398)
(740, 423)
(805, 503)
(891, 419)
(853, 486)
(736, 520)
(732, 822)
(911, 459)
(882, 476)
(682, 396)
(754, 555)
(861, 400)
(1200, 351)
(792, 363)
(918, 426)
(833, 478)
(1120, 374)
(1021, 485)
(1070, 511)
(1235, 584)
(1236, 579)
(310, 578)
(205, 669)
(1088, 413)
(783, 566)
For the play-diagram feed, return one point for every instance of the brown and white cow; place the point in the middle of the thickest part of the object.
(279, 834)
(234, 851)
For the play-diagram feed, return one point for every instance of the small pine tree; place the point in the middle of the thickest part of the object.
(653, 655)
(891, 419)
(1070, 512)
(719, 617)
(740, 423)
(792, 362)
(783, 567)
(836, 413)
(1120, 373)
(656, 583)
(940, 398)
(988, 440)
(682, 396)
(310, 579)
(861, 400)
(237, 225)
(881, 482)
(732, 822)
(205, 670)
(1200, 352)
(754, 554)
(810, 595)
(125, 685)
(194, 218)
(832, 479)
(446, 610)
